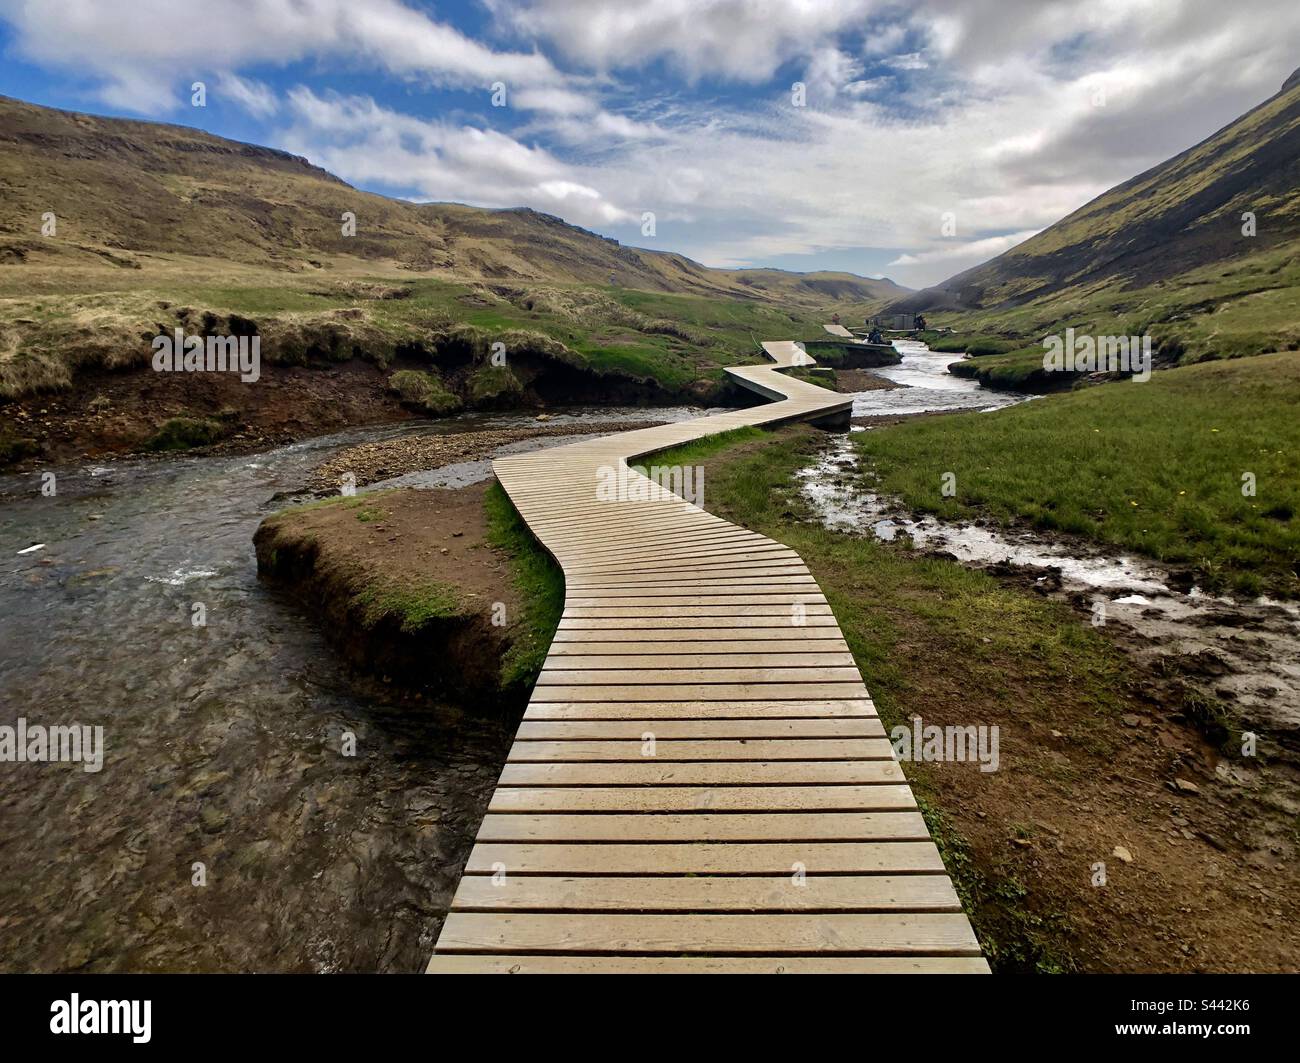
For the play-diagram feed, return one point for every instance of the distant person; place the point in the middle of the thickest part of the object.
(874, 336)
(920, 322)
(835, 319)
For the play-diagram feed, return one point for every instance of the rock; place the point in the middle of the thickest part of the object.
(212, 819)
(1130, 720)
(1122, 853)
(1183, 786)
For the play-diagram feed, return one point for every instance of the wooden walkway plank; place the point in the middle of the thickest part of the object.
(700, 782)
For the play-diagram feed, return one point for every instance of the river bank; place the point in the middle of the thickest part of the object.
(114, 414)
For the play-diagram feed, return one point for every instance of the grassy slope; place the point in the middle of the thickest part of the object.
(1250, 306)
(540, 583)
(1154, 467)
(1163, 253)
(51, 322)
(152, 214)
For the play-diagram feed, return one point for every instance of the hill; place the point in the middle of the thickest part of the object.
(1165, 252)
(121, 189)
(158, 227)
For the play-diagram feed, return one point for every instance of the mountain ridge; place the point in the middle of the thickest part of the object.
(129, 185)
(1178, 215)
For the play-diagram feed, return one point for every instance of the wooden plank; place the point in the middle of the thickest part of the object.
(701, 692)
(871, 934)
(702, 773)
(702, 827)
(676, 658)
(817, 630)
(735, 749)
(878, 798)
(574, 963)
(696, 710)
(664, 628)
(700, 781)
(779, 893)
(680, 673)
(702, 858)
(670, 730)
(753, 649)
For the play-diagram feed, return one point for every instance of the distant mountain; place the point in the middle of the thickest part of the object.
(122, 188)
(1182, 215)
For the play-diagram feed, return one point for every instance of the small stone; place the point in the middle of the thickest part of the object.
(1130, 720)
(1122, 853)
(1057, 734)
(212, 819)
(1183, 786)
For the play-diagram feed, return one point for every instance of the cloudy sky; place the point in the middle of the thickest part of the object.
(996, 116)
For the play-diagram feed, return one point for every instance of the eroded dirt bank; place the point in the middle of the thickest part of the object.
(406, 586)
(120, 412)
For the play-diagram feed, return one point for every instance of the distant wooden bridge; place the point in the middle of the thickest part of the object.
(700, 781)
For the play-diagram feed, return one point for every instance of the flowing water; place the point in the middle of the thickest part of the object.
(929, 387)
(226, 829)
(1246, 652)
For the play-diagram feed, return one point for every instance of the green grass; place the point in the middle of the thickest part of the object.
(540, 583)
(411, 606)
(676, 340)
(822, 378)
(1247, 306)
(1154, 467)
(494, 383)
(184, 433)
(424, 391)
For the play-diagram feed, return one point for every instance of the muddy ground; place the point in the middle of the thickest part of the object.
(399, 578)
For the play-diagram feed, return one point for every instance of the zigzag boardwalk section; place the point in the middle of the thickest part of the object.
(700, 781)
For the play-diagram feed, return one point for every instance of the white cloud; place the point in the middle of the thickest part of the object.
(366, 143)
(971, 251)
(740, 40)
(253, 96)
(141, 49)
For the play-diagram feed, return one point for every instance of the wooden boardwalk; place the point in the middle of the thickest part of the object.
(700, 782)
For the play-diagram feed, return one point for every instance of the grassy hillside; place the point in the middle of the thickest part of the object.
(1163, 253)
(124, 191)
(1155, 467)
(163, 226)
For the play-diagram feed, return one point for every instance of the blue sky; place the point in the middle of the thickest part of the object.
(926, 137)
